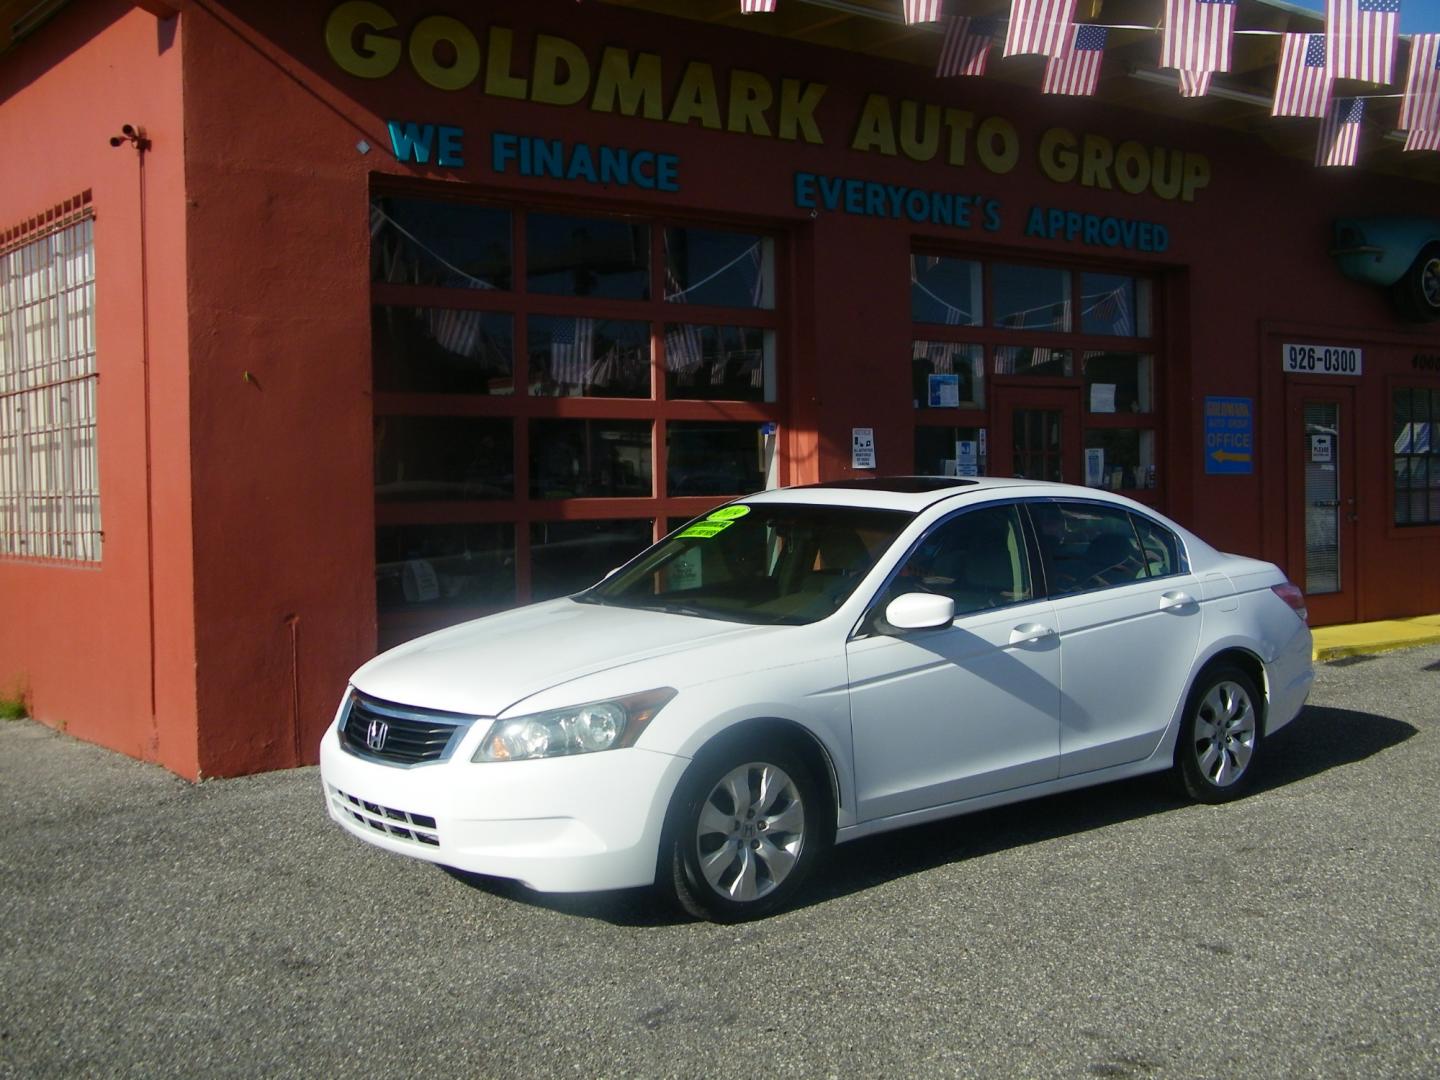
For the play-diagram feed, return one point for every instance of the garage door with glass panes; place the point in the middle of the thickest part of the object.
(553, 392)
(1036, 371)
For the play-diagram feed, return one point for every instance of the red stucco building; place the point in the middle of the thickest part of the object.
(384, 315)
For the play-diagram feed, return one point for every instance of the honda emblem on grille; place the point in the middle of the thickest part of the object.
(376, 734)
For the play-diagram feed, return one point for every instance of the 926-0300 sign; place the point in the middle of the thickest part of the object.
(1321, 360)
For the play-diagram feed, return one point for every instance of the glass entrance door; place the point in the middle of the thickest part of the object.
(1037, 434)
(1323, 501)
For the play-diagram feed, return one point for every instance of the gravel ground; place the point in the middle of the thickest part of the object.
(155, 928)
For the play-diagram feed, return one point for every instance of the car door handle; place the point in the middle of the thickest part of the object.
(1175, 598)
(1031, 631)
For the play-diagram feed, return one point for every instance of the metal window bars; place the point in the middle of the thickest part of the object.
(49, 465)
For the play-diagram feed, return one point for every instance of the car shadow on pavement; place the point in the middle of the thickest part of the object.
(1319, 740)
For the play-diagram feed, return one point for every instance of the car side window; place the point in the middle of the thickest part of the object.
(1086, 546)
(978, 559)
(1163, 554)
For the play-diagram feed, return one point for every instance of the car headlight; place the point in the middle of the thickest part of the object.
(580, 729)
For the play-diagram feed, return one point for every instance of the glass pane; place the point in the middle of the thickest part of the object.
(1036, 442)
(575, 256)
(589, 459)
(1030, 297)
(1117, 382)
(1117, 458)
(567, 556)
(419, 458)
(442, 351)
(714, 458)
(1322, 497)
(946, 375)
(706, 266)
(948, 451)
(978, 559)
(429, 242)
(1086, 547)
(1115, 305)
(423, 566)
(719, 363)
(1163, 553)
(945, 290)
(1417, 456)
(583, 357)
(1034, 360)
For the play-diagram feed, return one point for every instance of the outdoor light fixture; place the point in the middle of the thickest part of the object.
(132, 135)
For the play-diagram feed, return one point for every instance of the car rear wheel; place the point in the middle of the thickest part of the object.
(1215, 757)
(1417, 293)
(748, 825)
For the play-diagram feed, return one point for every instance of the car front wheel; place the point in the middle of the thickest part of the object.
(748, 826)
(1219, 737)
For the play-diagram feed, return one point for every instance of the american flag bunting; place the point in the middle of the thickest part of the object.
(1360, 36)
(572, 341)
(1420, 111)
(921, 11)
(1422, 140)
(1077, 72)
(1040, 26)
(1340, 132)
(1197, 34)
(1194, 83)
(1304, 83)
(967, 46)
(756, 7)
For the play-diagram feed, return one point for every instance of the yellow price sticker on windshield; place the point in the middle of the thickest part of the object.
(705, 529)
(727, 513)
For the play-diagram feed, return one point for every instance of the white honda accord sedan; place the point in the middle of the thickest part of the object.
(812, 665)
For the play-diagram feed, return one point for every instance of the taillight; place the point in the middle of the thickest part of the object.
(1292, 595)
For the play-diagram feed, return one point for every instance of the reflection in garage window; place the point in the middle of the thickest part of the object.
(567, 556)
(419, 458)
(442, 350)
(722, 269)
(579, 256)
(589, 458)
(719, 363)
(454, 565)
(578, 356)
(714, 458)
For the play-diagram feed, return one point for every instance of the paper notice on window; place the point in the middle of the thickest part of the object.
(944, 391)
(967, 457)
(1102, 397)
(862, 448)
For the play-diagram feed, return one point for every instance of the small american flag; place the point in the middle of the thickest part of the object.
(753, 7)
(1197, 35)
(967, 45)
(1360, 35)
(455, 331)
(1420, 111)
(1422, 140)
(1304, 83)
(921, 11)
(1194, 83)
(1340, 132)
(684, 351)
(1039, 26)
(571, 343)
(1077, 71)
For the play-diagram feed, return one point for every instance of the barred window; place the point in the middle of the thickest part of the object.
(49, 484)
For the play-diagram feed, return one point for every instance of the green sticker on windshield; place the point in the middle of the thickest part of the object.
(728, 513)
(705, 529)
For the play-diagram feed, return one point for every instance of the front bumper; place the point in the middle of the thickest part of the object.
(569, 824)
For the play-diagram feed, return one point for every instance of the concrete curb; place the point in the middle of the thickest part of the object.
(1367, 639)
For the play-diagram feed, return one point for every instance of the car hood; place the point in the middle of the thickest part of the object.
(483, 667)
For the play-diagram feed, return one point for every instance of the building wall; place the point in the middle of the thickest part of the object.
(262, 345)
(80, 637)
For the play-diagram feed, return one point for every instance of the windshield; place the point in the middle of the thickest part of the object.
(767, 563)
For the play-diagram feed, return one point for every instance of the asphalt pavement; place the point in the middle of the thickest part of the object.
(149, 927)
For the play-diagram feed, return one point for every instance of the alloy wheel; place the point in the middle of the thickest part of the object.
(750, 831)
(1225, 733)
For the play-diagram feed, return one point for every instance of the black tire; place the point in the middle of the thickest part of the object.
(1220, 735)
(1417, 293)
(730, 863)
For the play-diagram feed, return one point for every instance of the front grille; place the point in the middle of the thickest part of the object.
(386, 819)
(399, 734)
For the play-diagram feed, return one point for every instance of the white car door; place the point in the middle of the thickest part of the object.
(968, 709)
(1129, 620)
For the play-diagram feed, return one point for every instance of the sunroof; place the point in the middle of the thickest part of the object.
(907, 485)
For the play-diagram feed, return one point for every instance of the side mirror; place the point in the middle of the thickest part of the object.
(920, 611)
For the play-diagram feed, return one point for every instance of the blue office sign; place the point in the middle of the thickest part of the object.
(1229, 436)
